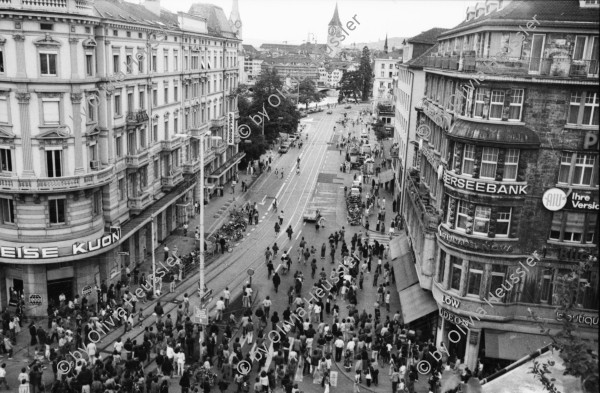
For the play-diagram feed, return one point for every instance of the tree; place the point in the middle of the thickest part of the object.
(366, 73)
(577, 354)
(309, 93)
(351, 84)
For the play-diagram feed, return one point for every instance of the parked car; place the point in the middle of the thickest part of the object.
(284, 148)
(311, 214)
(348, 107)
(329, 112)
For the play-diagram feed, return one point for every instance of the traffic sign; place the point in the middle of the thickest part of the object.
(201, 315)
(206, 295)
(35, 299)
(250, 272)
(87, 290)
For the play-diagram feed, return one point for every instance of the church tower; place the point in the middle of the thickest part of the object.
(385, 46)
(334, 30)
(234, 19)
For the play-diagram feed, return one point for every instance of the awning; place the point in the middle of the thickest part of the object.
(220, 171)
(512, 345)
(416, 303)
(404, 267)
(507, 134)
(210, 186)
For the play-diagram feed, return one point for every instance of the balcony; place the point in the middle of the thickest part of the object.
(56, 184)
(137, 204)
(138, 160)
(65, 6)
(135, 118)
(217, 123)
(220, 147)
(199, 131)
(191, 168)
(209, 156)
(418, 194)
(171, 144)
(175, 177)
(557, 66)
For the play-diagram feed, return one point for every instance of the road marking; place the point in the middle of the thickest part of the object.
(298, 235)
(263, 200)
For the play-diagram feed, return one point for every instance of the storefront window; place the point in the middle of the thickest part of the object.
(546, 288)
(455, 274)
(475, 274)
(573, 227)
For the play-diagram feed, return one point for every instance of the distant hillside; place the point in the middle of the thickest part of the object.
(392, 42)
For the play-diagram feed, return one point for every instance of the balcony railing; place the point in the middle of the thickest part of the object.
(218, 122)
(209, 156)
(138, 160)
(420, 198)
(138, 203)
(137, 117)
(175, 177)
(53, 184)
(171, 144)
(76, 6)
(191, 167)
(220, 147)
(197, 132)
(557, 66)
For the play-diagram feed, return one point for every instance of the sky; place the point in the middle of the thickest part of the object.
(294, 21)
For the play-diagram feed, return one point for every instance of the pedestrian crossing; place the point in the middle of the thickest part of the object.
(380, 237)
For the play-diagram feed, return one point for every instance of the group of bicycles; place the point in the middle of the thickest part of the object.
(233, 231)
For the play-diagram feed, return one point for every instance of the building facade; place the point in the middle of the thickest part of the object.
(509, 116)
(102, 105)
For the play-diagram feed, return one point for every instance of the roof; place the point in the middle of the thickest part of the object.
(419, 62)
(283, 47)
(249, 48)
(216, 21)
(335, 19)
(389, 56)
(494, 134)
(558, 12)
(427, 37)
(123, 11)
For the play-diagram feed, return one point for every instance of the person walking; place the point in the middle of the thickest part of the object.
(281, 218)
(276, 281)
(277, 229)
(290, 232)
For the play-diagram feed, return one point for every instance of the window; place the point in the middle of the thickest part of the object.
(461, 214)
(546, 286)
(121, 189)
(1, 60)
(97, 203)
(119, 146)
(140, 59)
(166, 129)
(51, 112)
(176, 93)
(89, 65)
(516, 104)
(154, 98)
(580, 44)
(442, 268)
(116, 33)
(156, 170)
(142, 100)
(474, 279)
(155, 132)
(573, 227)
(91, 109)
(56, 210)
(5, 160)
(578, 169)
(496, 281)
(468, 160)
(118, 108)
(583, 109)
(455, 272)
(129, 63)
(479, 103)
(481, 223)
(489, 161)
(116, 64)
(166, 62)
(54, 163)
(142, 138)
(503, 221)
(154, 68)
(128, 34)
(48, 64)
(175, 61)
(7, 209)
(4, 109)
(46, 26)
(511, 164)
(496, 104)
(166, 93)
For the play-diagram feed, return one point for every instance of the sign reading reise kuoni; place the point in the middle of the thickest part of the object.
(230, 128)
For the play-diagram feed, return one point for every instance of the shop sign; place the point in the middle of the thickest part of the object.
(455, 319)
(230, 128)
(476, 245)
(488, 188)
(431, 157)
(473, 337)
(554, 199)
(87, 290)
(578, 200)
(449, 300)
(573, 254)
(582, 319)
(104, 241)
(590, 141)
(35, 299)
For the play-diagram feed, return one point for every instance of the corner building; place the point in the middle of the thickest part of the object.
(511, 115)
(102, 104)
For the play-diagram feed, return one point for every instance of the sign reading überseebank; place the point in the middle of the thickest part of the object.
(27, 252)
(488, 188)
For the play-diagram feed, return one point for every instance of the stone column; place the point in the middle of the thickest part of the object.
(23, 99)
(73, 51)
(79, 146)
(472, 348)
(20, 44)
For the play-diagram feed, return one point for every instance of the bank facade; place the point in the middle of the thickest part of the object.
(509, 117)
(102, 104)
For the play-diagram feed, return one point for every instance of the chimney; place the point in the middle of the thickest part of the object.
(152, 6)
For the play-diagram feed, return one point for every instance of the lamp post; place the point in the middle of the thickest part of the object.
(201, 240)
(153, 255)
